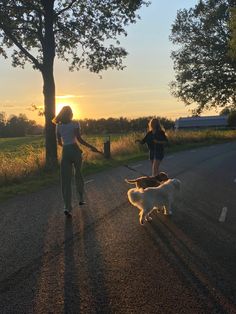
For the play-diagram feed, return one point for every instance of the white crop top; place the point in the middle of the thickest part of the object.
(67, 132)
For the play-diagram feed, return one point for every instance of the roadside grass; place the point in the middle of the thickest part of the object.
(22, 160)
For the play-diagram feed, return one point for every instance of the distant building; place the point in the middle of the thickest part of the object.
(202, 122)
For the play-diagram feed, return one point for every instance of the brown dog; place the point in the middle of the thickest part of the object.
(145, 182)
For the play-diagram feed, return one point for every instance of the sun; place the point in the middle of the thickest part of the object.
(74, 107)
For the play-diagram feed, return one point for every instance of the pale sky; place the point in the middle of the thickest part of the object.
(141, 89)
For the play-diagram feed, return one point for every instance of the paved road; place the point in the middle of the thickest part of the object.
(103, 261)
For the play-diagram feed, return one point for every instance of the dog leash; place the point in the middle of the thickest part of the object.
(130, 168)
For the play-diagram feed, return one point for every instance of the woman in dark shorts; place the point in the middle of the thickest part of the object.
(155, 140)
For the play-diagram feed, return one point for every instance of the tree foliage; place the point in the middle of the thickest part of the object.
(18, 126)
(205, 72)
(232, 24)
(232, 119)
(120, 125)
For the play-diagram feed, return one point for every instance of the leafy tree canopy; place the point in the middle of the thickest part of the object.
(81, 31)
(205, 71)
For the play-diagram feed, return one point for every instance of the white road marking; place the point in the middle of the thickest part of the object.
(235, 180)
(136, 166)
(89, 181)
(223, 214)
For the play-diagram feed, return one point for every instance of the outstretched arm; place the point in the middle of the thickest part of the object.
(143, 141)
(83, 142)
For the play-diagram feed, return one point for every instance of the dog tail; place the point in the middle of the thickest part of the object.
(130, 181)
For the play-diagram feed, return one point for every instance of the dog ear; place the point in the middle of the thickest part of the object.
(162, 176)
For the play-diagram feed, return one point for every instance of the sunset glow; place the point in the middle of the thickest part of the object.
(61, 102)
(141, 89)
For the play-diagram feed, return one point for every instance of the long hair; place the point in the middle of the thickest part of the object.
(64, 116)
(154, 125)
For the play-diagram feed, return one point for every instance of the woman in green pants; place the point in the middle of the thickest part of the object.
(68, 136)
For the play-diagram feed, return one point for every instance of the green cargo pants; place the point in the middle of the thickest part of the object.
(71, 157)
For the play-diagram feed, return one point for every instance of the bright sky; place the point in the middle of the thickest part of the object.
(141, 89)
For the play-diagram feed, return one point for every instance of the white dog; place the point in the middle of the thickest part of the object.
(154, 197)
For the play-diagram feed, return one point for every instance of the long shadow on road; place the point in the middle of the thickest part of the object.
(189, 266)
(93, 258)
(71, 276)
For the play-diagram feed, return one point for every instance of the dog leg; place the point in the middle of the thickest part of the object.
(170, 206)
(166, 211)
(141, 220)
(148, 217)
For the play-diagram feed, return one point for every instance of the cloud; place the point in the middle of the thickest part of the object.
(8, 106)
(68, 96)
(107, 93)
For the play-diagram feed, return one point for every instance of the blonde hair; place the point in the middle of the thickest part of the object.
(154, 125)
(64, 116)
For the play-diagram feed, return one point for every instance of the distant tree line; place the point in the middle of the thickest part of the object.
(120, 125)
(231, 113)
(18, 126)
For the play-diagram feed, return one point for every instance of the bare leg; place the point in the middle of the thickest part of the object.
(165, 210)
(155, 167)
(152, 167)
(66, 176)
(148, 217)
(79, 180)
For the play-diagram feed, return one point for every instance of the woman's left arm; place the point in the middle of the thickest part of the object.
(83, 142)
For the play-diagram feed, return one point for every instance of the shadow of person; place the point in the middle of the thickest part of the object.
(71, 278)
(93, 257)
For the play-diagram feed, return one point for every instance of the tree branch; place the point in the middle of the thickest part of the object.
(40, 29)
(30, 4)
(66, 8)
(19, 45)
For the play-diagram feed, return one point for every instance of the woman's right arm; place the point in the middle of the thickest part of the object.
(143, 141)
(59, 139)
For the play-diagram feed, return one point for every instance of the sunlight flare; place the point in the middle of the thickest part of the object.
(67, 102)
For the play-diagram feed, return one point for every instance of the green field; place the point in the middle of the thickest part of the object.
(22, 160)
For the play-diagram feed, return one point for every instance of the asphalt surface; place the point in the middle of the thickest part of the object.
(102, 261)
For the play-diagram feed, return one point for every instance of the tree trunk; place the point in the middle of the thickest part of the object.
(49, 105)
(49, 85)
